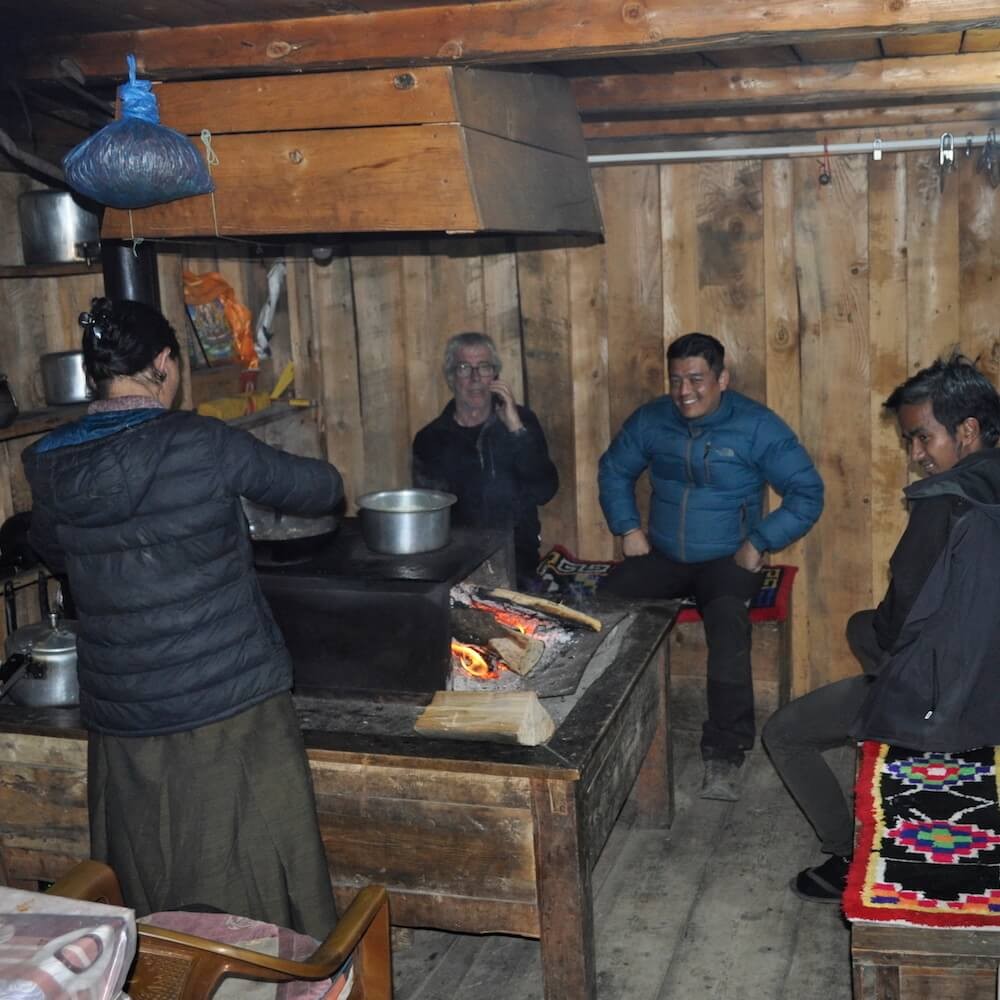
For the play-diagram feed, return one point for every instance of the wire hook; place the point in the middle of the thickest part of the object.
(826, 171)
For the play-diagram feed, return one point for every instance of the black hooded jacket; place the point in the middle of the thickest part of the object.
(934, 504)
(939, 685)
(142, 510)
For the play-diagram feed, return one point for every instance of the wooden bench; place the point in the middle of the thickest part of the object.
(772, 660)
(890, 962)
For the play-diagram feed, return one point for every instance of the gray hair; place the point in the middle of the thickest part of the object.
(467, 339)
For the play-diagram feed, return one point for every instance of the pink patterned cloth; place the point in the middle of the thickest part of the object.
(242, 932)
(62, 949)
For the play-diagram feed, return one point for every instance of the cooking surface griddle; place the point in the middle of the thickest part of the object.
(346, 557)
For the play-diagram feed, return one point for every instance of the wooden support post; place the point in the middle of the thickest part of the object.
(565, 911)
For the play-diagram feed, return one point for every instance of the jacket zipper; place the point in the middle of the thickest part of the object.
(934, 686)
(684, 499)
(708, 469)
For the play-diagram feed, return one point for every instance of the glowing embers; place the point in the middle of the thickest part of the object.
(496, 643)
(476, 661)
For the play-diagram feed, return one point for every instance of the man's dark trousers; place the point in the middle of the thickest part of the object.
(798, 734)
(722, 592)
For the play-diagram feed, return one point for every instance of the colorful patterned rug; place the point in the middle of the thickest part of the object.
(928, 846)
(563, 573)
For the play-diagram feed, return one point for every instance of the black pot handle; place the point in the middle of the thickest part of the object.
(12, 670)
(43, 595)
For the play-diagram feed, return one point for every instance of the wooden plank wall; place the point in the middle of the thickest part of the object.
(825, 296)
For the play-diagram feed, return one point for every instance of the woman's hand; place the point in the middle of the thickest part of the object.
(506, 407)
(635, 543)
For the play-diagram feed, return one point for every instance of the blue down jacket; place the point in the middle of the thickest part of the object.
(708, 477)
(141, 508)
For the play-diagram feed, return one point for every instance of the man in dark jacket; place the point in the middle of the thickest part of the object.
(488, 451)
(710, 453)
(949, 419)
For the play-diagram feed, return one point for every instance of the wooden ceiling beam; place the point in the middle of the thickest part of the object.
(497, 31)
(891, 117)
(873, 81)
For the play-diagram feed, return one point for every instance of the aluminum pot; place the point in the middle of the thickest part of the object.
(64, 379)
(40, 669)
(405, 522)
(56, 228)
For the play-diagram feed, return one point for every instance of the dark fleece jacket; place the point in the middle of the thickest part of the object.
(938, 687)
(934, 503)
(141, 509)
(500, 478)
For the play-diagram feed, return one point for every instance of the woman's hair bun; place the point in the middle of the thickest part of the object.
(123, 337)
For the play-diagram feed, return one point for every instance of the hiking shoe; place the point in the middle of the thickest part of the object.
(722, 780)
(823, 884)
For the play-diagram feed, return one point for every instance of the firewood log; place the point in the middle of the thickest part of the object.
(479, 628)
(549, 607)
(503, 716)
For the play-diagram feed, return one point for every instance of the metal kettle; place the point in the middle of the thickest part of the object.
(40, 666)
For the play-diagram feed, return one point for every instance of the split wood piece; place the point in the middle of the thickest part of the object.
(479, 628)
(505, 716)
(549, 607)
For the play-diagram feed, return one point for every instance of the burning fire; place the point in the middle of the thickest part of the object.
(473, 662)
(511, 619)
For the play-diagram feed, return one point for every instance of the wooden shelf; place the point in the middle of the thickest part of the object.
(270, 415)
(40, 421)
(49, 270)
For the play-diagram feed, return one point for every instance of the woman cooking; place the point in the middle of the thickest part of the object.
(199, 789)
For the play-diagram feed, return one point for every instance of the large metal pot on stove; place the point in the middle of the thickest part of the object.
(40, 666)
(406, 522)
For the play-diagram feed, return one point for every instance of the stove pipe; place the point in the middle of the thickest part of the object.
(130, 272)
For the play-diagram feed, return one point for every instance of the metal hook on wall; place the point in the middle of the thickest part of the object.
(946, 156)
(989, 159)
(826, 171)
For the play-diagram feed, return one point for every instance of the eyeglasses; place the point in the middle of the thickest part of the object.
(465, 370)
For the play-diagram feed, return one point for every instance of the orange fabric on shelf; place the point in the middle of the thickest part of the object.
(200, 289)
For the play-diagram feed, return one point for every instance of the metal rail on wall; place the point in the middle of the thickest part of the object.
(873, 146)
(988, 163)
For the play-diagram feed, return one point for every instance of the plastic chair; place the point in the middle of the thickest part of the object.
(171, 965)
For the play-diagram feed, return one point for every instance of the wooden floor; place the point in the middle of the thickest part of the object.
(700, 911)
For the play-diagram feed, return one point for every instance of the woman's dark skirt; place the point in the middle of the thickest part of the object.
(222, 816)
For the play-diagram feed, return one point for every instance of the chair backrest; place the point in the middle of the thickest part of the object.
(172, 965)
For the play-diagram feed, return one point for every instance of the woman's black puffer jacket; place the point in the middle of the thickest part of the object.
(144, 516)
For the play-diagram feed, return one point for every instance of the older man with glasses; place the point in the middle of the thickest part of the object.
(488, 451)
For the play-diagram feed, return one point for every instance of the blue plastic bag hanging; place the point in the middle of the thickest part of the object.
(135, 161)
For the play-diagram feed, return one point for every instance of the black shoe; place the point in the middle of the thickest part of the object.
(823, 884)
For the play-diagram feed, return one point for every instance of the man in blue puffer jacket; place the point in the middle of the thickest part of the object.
(710, 453)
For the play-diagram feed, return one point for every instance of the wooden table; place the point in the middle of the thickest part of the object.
(475, 837)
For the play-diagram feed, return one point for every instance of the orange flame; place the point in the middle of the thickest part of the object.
(511, 619)
(472, 661)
